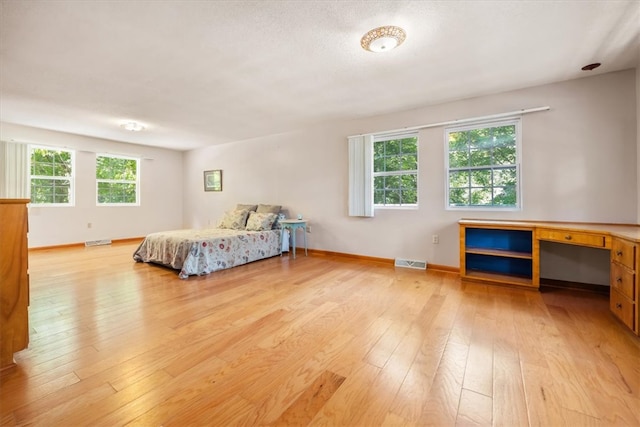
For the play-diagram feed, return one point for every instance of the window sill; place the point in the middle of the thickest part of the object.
(484, 208)
(51, 205)
(400, 208)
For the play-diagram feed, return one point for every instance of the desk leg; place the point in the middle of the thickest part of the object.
(293, 241)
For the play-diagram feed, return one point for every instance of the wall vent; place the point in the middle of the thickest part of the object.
(409, 263)
(97, 242)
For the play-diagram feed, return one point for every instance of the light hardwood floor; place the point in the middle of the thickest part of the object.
(311, 341)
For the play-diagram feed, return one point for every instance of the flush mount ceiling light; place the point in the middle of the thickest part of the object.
(132, 126)
(382, 39)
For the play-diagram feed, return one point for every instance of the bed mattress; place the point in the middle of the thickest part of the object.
(199, 252)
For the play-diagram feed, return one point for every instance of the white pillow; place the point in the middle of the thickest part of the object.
(235, 220)
(260, 221)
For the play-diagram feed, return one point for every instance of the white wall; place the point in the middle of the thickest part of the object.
(579, 163)
(161, 192)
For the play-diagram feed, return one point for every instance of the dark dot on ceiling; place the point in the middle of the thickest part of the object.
(591, 66)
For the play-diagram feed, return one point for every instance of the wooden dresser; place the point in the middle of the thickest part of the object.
(508, 252)
(14, 281)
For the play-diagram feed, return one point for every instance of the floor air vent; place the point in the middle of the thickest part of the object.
(98, 242)
(408, 263)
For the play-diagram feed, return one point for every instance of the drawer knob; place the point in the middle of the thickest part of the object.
(619, 279)
(618, 305)
(618, 253)
(568, 237)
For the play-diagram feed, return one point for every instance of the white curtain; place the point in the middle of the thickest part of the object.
(14, 170)
(361, 175)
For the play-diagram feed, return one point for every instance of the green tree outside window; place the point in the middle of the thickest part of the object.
(395, 171)
(51, 176)
(116, 180)
(482, 166)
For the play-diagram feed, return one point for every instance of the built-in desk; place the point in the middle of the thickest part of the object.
(508, 252)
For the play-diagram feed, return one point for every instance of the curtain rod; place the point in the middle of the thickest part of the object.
(458, 121)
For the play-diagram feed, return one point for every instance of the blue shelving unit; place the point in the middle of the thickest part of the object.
(499, 255)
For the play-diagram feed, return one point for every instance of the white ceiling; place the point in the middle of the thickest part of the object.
(198, 73)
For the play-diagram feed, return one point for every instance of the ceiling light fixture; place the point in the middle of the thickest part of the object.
(382, 39)
(133, 126)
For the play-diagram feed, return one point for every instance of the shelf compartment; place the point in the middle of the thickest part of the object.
(508, 240)
(521, 267)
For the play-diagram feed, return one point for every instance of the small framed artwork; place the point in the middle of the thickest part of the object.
(213, 180)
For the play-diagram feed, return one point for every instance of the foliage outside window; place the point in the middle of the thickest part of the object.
(395, 171)
(51, 176)
(117, 180)
(482, 166)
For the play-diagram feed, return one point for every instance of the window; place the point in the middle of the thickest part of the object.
(51, 176)
(482, 165)
(117, 180)
(395, 171)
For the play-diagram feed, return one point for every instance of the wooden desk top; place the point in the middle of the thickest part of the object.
(626, 231)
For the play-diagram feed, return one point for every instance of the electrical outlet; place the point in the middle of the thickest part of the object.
(435, 239)
(308, 229)
(89, 225)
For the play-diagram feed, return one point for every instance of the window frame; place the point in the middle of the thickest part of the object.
(100, 180)
(515, 121)
(71, 178)
(374, 174)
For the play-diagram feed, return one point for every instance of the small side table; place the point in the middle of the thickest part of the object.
(293, 225)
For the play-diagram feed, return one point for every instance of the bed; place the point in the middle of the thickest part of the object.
(236, 241)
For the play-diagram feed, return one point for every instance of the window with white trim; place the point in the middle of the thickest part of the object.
(117, 180)
(483, 165)
(51, 176)
(395, 171)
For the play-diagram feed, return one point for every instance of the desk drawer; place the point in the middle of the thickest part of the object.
(623, 280)
(622, 308)
(624, 252)
(574, 238)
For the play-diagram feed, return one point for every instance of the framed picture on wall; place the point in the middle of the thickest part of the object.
(213, 180)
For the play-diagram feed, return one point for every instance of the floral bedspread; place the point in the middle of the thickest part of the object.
(198, 252)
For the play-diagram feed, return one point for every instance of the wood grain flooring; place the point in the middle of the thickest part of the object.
(319, 340)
